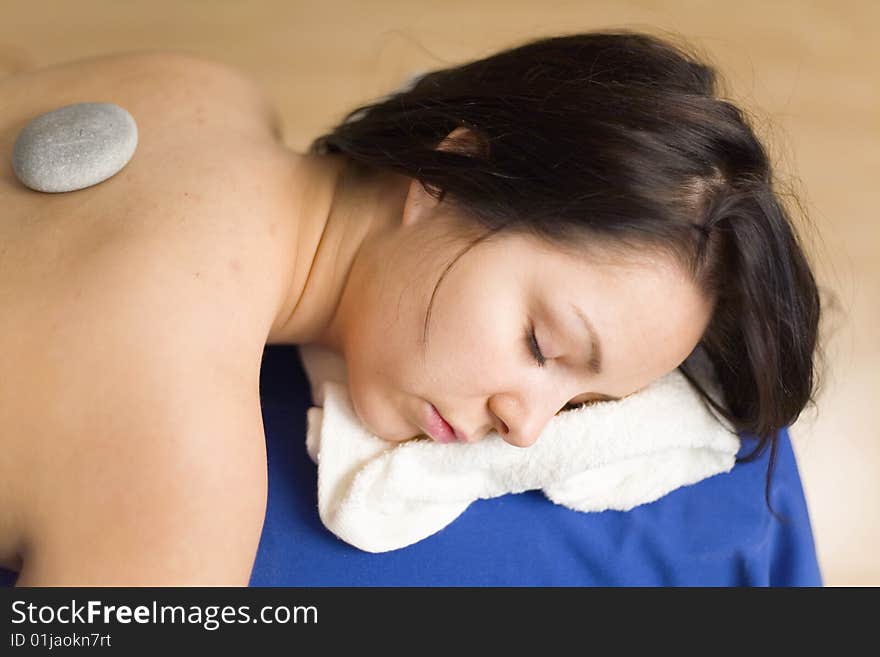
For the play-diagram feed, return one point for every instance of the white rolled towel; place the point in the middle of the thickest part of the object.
(378, 495)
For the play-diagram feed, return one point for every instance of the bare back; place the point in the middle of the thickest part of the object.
(176, 247)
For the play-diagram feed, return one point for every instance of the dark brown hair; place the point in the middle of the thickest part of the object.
(620, 137)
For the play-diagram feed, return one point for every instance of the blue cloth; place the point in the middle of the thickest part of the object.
(717, 532)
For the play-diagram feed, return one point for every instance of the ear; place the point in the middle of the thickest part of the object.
(462, 140)
(419, 203)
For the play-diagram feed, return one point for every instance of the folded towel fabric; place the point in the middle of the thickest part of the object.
(378, 495)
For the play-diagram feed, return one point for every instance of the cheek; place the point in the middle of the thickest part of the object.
(384, 366)
(470, 343)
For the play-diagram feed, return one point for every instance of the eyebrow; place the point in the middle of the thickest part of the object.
(595, 358)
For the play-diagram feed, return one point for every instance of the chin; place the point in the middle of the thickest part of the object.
(399, 437)
(405, 440)
(374, 425)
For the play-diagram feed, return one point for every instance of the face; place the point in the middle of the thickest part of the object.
(478, 366)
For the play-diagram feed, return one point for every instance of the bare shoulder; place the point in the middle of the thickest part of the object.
(198, 206)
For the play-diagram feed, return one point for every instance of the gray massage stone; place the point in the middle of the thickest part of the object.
(74, 147)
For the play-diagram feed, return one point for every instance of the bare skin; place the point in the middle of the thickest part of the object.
(136, 313)
(134, 317)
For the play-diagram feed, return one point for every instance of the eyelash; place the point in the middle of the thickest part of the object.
(535, 349)
(532, 342)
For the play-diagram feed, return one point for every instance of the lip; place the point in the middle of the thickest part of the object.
(438, 428)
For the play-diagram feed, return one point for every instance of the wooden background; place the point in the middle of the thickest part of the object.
(807, 72)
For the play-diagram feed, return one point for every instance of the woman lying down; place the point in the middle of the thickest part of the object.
(560, 223)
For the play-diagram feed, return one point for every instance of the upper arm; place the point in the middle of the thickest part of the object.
(146, 458)
(168, 487)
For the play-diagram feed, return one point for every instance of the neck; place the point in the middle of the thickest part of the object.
(339, 214)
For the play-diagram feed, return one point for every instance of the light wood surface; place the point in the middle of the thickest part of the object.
(806, 71)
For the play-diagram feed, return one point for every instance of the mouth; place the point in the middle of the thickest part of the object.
(438, 428)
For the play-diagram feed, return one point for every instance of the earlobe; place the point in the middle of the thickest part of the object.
(418, 203)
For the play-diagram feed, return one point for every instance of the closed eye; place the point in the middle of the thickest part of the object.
(535, 349)
(532, 343)
(571, 407)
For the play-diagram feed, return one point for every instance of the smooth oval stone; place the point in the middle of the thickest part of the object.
(74, 147)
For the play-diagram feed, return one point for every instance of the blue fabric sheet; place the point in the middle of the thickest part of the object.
(717, 532)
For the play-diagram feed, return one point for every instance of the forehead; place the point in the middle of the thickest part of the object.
(582, 262)
(616, 288)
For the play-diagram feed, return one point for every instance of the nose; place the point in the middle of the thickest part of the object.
(519, 424)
